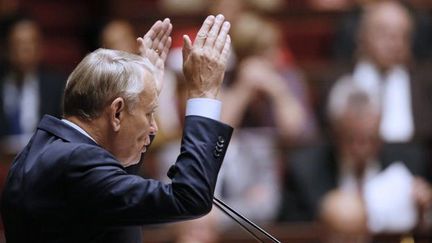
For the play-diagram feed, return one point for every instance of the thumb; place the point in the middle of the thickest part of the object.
(187, 47)
(141, 46)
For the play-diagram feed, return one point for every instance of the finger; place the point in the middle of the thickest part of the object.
(140, 42)
(187, 46)
(143, 50)
(146, 52)
(167, 36)
(165, 43)
(226, 50)
(165, 51)
(202, 33)
(153, 31)
(146, 43)
(170, 27)
(147, 40)
(220, 41)
(142, 46)
(164, 39)
(164, 30)
(162, 42)
(214, 31)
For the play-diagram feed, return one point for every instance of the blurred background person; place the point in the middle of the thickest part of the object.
(344, 217)
(267, 101)
(27, 90)
(9, 13)
(330, 5)
(347, 30)
(120, 35)
(354, 159)
(202, 230)
(384, 69)
(268, 89)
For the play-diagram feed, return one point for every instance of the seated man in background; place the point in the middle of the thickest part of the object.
(358, 163)
(384, 68)
(27, 90)
(69, 184)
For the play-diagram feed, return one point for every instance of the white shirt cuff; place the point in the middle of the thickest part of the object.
(205, 107)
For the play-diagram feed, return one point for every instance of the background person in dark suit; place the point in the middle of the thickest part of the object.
(27, 90)
(70, 185)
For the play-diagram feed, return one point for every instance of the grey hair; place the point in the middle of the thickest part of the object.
(102, 76)
(347, 95)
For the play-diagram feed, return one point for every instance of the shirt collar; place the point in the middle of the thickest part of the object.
(78, 128)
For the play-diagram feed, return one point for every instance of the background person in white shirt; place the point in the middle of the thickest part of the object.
(383, 69)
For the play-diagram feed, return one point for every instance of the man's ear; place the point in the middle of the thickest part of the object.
(116, 113)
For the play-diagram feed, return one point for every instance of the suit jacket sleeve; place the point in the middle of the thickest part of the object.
(100, 189)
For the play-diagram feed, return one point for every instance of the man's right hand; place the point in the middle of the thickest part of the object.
(205, 60)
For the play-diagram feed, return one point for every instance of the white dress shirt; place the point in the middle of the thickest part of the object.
(394, 91)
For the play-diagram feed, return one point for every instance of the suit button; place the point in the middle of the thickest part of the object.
(219, 145)
(221, 140)
(216, 154)
(219, 150)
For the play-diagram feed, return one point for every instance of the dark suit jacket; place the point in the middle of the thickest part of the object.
(65, 188)
(312, 172)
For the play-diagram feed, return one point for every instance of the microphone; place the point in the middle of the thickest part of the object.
(230, 212)
(225, 208)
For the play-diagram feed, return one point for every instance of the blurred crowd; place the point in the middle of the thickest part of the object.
(347, 146)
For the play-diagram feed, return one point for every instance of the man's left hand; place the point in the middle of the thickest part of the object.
(154, 46)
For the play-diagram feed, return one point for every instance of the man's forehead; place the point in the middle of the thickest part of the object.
(388, 13)
(149, 82)
(149, 93)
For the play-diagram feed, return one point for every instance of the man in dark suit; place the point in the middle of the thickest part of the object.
(27, 91)
(69, 184)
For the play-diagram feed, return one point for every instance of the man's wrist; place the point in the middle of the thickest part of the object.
(203, 94)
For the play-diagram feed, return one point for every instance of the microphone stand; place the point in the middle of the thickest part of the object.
(229, 211)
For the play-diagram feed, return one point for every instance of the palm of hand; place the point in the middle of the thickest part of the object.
(155, 46)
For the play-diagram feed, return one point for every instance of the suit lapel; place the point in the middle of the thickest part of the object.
(62, 130)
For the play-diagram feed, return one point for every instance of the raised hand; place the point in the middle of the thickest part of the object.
(205, 60)
(261, 75)
(155, 46)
